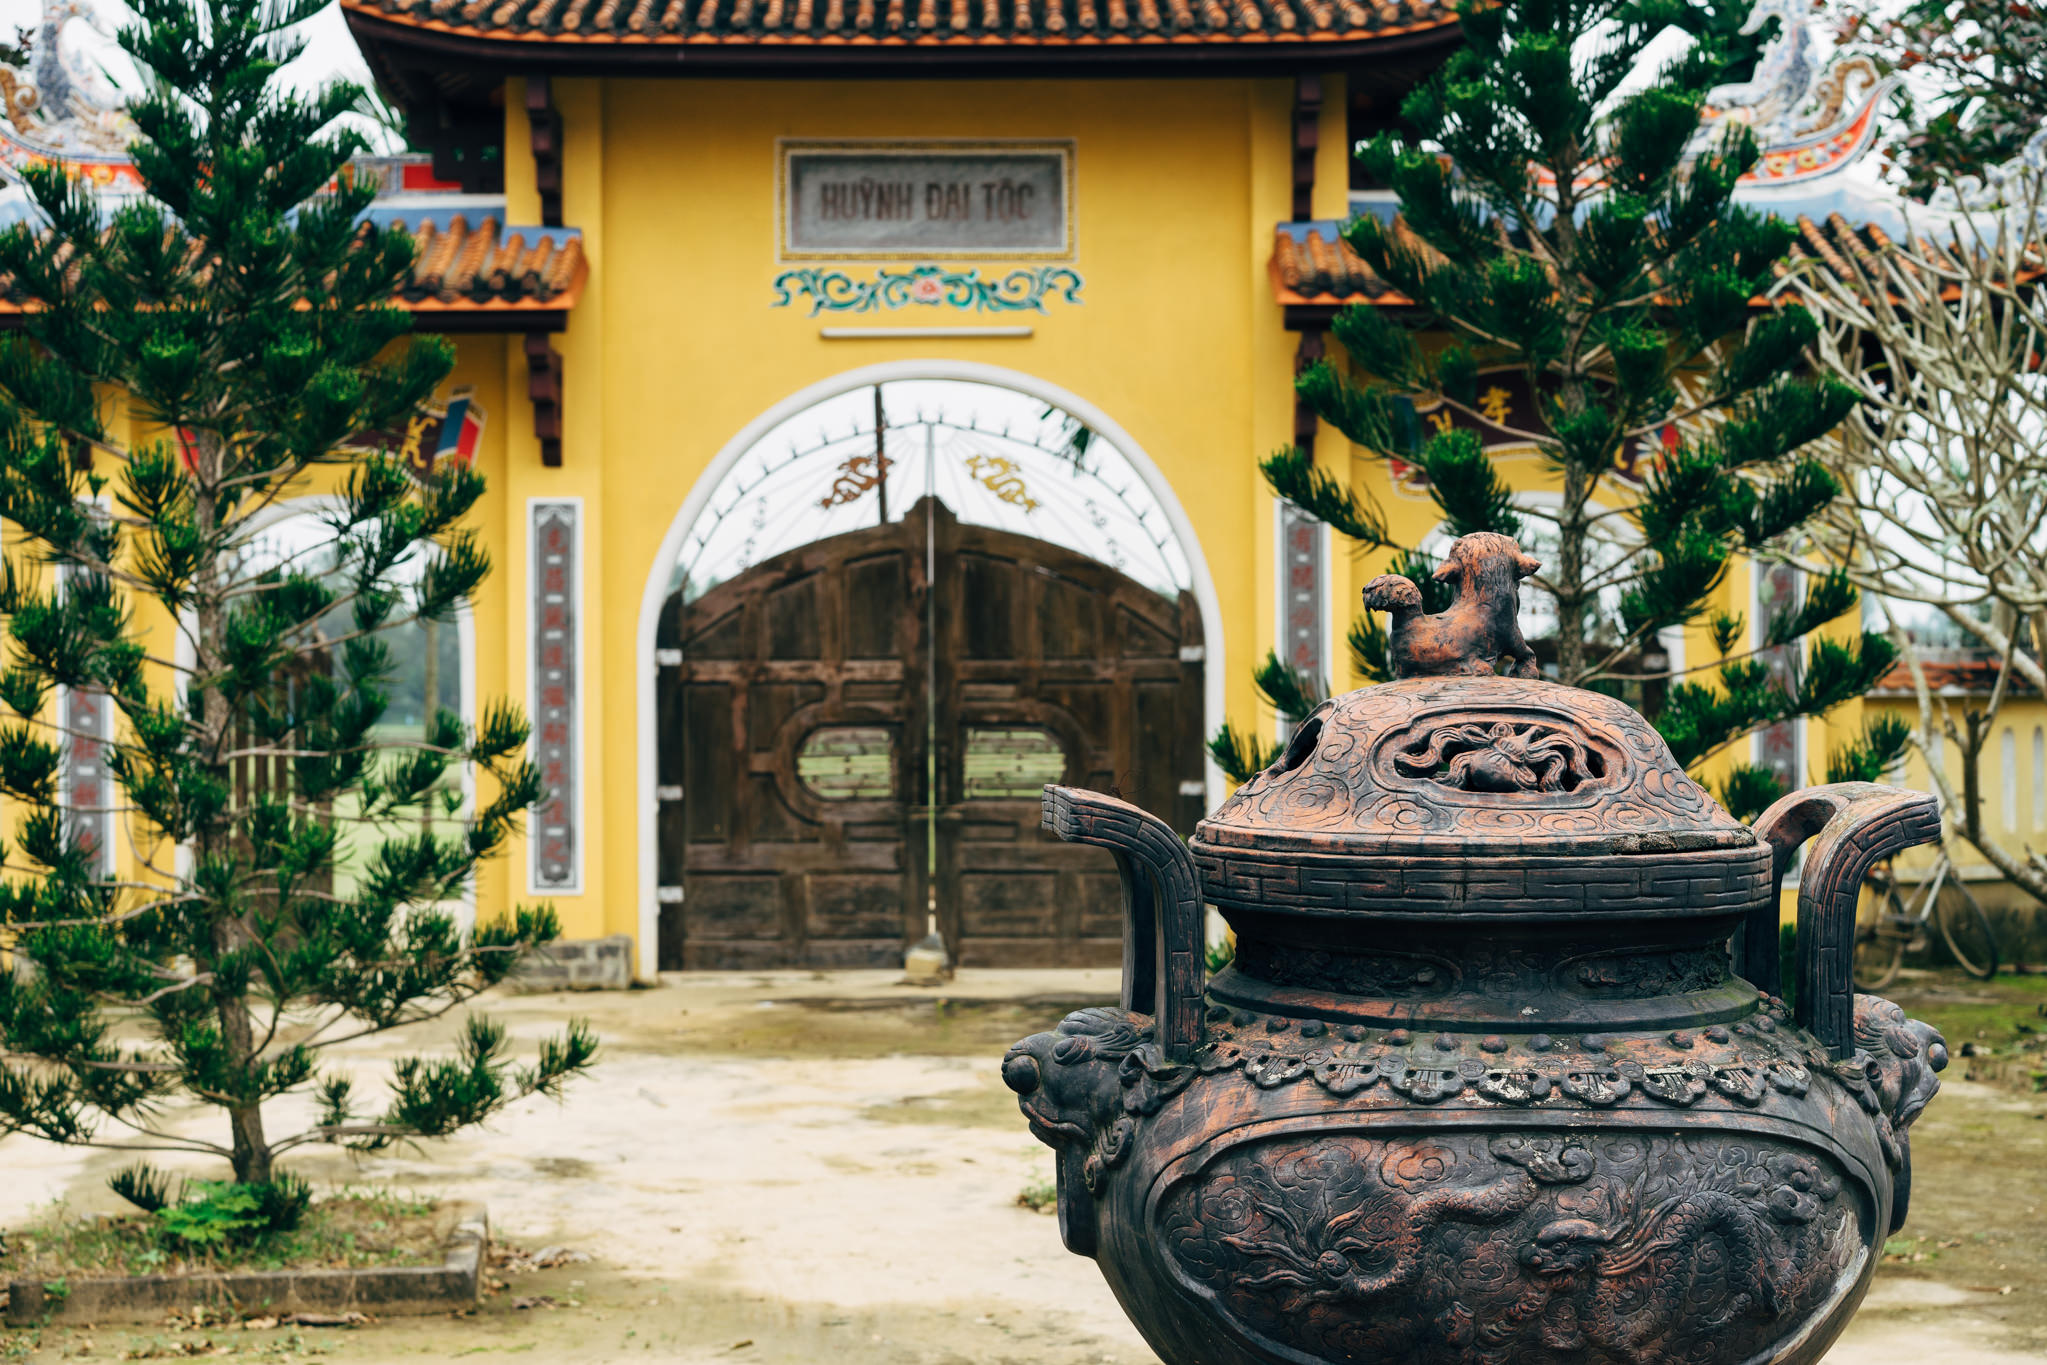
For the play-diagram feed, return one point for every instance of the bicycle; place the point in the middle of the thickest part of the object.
(1900, 923)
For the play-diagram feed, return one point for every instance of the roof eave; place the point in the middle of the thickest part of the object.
(386, 37)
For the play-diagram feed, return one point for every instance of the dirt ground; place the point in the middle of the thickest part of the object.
(800, 1167)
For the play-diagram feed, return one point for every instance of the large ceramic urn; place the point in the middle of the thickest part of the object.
(1500, 1071)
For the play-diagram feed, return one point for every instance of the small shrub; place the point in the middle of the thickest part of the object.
(142, 1185)
(208, 1227)
(283, 1202)
(212, 1213)
(1040, 1196)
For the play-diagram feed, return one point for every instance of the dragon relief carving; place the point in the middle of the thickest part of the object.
(1504, 756)
(1531, 1247)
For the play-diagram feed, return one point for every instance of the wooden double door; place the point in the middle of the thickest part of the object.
(840, 727)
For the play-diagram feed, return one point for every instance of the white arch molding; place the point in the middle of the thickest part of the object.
(660, 571)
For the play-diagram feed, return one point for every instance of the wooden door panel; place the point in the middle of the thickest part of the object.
(1069, 620)
(986, 608)
(733, 907)
(788, 847)
(850, 905)
(1008, 904)
(710, 762)
(877, 596)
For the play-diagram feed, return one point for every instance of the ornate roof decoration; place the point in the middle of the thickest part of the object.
(63, 106)
(1813, 126)
(847, 32)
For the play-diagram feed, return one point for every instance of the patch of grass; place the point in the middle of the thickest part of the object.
(344, 1229)
(1996, 1030)
(1040, 1196)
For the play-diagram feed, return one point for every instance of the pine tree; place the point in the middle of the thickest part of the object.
(245, 320)
(1589, 241)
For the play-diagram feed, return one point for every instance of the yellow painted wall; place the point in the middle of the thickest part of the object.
(674, 346)
(2011, 812)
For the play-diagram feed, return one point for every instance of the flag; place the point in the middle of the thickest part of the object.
(461, 429)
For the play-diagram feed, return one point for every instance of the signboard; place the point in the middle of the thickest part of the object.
(1503, 414)
(925, 200)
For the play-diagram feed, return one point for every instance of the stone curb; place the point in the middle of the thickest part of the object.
(379, 1291)
(576, 964)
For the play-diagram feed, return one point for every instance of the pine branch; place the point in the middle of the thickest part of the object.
(1293, 477)
(1286, 689)
(1748, 791)
(1240, 755)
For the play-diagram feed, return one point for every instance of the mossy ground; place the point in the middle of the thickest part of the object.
(344, 1229)
(1996, 1030)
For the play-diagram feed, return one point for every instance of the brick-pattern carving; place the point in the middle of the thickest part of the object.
(1857, 824)
(557, 839)
(1707, 881)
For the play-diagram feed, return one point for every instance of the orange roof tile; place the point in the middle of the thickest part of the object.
(1034, 24)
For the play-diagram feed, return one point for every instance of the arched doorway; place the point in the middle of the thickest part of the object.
(868, 667)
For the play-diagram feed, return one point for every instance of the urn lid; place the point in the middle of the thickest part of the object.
(1452, 758)
(1464, 765)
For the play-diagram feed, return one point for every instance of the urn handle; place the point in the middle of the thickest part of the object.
(1856, 824)
(1162, 919)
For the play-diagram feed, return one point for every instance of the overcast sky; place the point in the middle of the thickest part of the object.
(330, 51)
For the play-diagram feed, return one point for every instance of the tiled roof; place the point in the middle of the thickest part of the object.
(1312, 265)
(1964, 677)
(464, 278)
(884, 23)
(462, 267)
